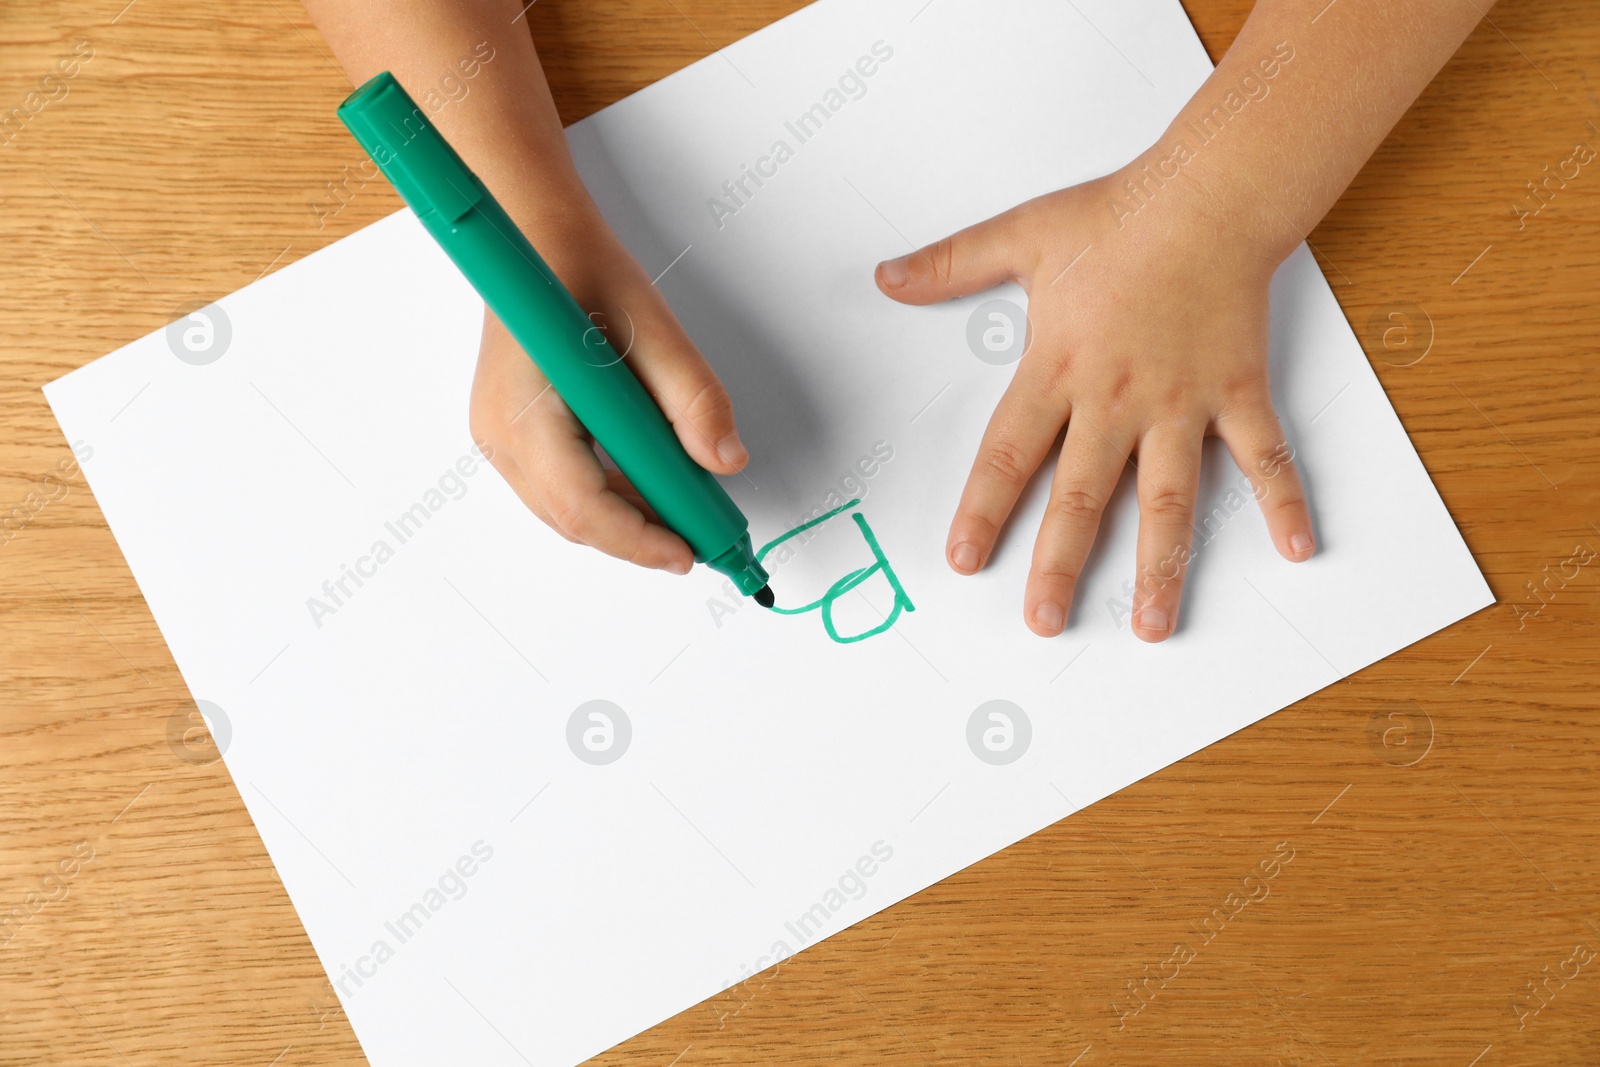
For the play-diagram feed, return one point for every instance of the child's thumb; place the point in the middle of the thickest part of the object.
(977, 258)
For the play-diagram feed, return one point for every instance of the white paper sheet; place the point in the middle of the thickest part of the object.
(421, 728)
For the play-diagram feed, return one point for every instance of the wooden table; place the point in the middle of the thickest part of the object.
(1440, 806)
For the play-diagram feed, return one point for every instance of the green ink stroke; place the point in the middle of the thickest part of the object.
(848, 582)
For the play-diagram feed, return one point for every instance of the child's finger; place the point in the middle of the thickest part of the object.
(506, 386)
(1084, 480)
(556, 458)
(1169, 479)
(1257, 445)
(685, 388)
(977, 258)
(618, 483)
(507, 468)
(1019, 435)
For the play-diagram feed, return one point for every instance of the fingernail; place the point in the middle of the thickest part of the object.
(732, 450)
(965, 557)
(677, 566)
(1300, 544)
(895, 272)
(1153, 620)
(1050, 616)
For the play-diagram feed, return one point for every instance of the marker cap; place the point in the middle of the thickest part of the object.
(419, 163)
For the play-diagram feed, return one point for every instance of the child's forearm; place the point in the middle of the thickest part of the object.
(505, 126)
(1304, 96)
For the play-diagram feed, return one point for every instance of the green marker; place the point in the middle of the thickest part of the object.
(547, 322)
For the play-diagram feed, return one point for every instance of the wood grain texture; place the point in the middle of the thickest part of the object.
(1421, 899)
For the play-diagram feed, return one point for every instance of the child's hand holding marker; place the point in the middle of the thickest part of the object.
(542, 450)
(1148, 288)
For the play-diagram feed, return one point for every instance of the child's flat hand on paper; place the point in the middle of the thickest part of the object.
(1144, 338)
(540, 447)
(1157, 336)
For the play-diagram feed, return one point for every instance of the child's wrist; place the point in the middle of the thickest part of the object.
(1207, 203)
(552, 209)
(564, 225)
(1205, 208)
